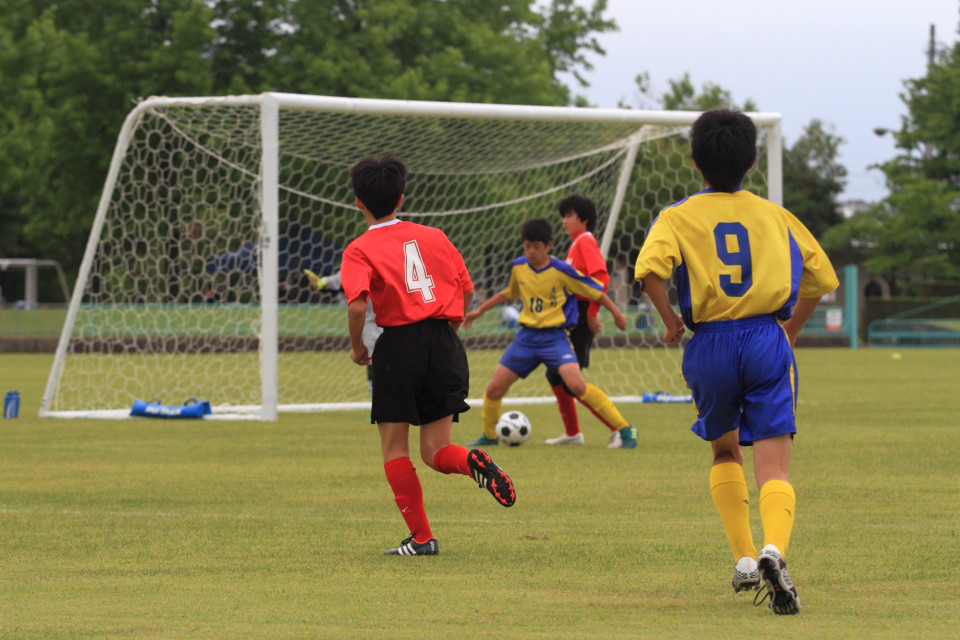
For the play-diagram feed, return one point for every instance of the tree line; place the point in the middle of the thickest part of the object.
(72, 70)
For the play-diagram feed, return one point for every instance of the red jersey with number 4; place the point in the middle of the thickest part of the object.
(409, 272)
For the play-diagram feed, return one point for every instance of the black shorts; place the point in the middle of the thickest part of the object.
(581, 338)
(420, 374)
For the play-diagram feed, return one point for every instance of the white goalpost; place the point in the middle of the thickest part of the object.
(192, 284)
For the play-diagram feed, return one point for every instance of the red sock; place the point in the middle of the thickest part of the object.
(408, 494)
(599, 417)
(568, 410)
(452, 459)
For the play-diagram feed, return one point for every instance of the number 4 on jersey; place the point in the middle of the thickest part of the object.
(415, 273)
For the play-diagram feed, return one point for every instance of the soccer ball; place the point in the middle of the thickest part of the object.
(513, 428)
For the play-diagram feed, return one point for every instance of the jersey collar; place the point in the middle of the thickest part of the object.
(712, 190)
(383, 224)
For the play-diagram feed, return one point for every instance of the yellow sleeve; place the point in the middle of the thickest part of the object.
(579, 285)
(818, 276)
(660, 253)
(512, 290)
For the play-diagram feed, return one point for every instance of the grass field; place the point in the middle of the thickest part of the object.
(154, 529)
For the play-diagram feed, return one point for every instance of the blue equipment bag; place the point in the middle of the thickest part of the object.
(189, 409)
(662, 396)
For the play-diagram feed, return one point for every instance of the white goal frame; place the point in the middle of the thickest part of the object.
(270, 107)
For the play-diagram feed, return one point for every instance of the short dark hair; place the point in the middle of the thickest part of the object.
(582, 206)
(379, 183)
(724, 146)
(537, 230)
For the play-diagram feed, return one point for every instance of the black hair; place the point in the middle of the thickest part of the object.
(537, 230)
(379, 183)
(724, 146)
(582, 206)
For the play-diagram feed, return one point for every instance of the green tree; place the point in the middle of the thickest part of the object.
(245, 45)
(71, 71)
(812, 177)
(684, 97)
(913, 236)
(909, 238)
(465, 50)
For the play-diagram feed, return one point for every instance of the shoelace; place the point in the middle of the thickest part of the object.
(763, 594)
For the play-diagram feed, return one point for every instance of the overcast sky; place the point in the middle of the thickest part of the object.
(841, 61)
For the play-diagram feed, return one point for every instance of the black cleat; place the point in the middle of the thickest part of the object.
(783, 595)
(409, 547)
(491, 477)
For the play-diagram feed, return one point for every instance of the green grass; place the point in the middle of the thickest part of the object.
(32, 322)
(201, 319)
(169, 529)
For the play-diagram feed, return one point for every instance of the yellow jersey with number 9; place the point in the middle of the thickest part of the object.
(734, 255)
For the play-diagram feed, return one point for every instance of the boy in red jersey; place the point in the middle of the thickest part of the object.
(579, 219)
(742, 266)
(418, 286)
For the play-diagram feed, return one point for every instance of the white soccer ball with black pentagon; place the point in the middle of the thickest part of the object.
(513, 428)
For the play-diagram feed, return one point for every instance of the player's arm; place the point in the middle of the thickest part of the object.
(320, 283)
(467, 300)
(618, 318)
(593, 311)
(656, 290)
(595, 266)
(356, 316)
(801, 313)
(493, 301)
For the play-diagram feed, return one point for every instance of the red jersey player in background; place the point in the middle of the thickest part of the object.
(419, 288)
(579, 219)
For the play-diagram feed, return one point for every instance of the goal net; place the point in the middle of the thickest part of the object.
(193, 284)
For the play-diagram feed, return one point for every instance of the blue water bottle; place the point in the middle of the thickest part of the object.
(11, 404)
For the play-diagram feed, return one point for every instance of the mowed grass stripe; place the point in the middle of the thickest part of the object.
(141, 528)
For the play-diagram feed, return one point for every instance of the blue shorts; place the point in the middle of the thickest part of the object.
(743, 376)
(530, 347)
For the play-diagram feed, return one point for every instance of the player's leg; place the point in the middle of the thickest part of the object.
(407, 492)
(568, 411)
(581, 337)
(771, 465)
(517, 361)
(435, 437)
(728, 488)
(502, 379)
(769, 403)
(778, 504)
(393, 409)
(436, 450)
(710, 369)
(599, 402)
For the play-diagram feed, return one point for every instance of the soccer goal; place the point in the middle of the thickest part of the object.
(193, 285)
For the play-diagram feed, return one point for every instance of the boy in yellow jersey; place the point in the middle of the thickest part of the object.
(548, 288)
(748, 276)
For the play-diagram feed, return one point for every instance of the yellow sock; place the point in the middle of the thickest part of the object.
(729, 491)
(489, 415)
(778, 504)
(600, 402)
